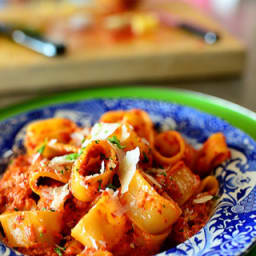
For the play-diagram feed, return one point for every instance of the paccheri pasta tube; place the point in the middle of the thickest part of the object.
(117, 188)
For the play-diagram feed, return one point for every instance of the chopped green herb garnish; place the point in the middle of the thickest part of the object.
(41, 149)
(16, 209)
(97, 141)
(111, 168)
(58, 251)
(99, 188)
(216, 197)
(43, 209)
(41, 234)
(52, 210)
(62, 172)
(163, 173)
(114, 140)
(83, 140)
(145, 157)
(72, 156)
(111, 186)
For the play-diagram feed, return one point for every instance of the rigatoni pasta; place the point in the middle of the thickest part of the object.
(117, 188)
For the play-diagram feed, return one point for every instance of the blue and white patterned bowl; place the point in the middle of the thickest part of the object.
(232, 227)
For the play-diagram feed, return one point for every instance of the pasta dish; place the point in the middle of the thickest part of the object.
(120, 187)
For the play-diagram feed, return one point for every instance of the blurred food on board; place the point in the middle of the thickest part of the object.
(107, 22)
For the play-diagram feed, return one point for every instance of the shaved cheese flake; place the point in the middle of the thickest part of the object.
(58, 160)
(102, 169)
(59, 195)
(86, 131)
(128, 168)
(202, 200)
(145, 141)
(77, 137)
(125, 134)
(91, 176)
(52, 142)
(35, 157)
(112, 164)
(120, 153)
(100, 131)
(152, 180)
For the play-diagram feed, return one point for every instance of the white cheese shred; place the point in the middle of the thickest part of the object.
(59, 196)
(128, 168)
(100, 131)
(202, 200)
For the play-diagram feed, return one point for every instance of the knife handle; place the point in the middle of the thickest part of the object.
(38, 43)
(210, 37)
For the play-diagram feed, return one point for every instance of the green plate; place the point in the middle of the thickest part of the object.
(236, 115)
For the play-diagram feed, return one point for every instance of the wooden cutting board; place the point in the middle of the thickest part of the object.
(174, 56)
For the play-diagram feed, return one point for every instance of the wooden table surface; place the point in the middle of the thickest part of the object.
(240, 21)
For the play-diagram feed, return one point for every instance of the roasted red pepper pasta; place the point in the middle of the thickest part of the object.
(117, 188)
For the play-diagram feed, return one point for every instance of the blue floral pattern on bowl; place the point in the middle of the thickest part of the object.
(232, 228)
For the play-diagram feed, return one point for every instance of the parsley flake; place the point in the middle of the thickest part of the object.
(99, 188)
(58, 251)
(41, 234)
(114, 140)
(72, 156)
(163, 173)
(215, 197)
(41, 149)
(16, 209)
